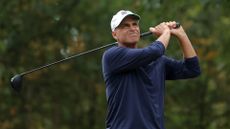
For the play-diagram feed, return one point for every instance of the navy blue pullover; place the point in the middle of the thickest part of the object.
(135, 81)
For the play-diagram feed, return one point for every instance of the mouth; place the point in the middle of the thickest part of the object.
(134, 34)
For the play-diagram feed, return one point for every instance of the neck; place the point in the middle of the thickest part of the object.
(129, 45)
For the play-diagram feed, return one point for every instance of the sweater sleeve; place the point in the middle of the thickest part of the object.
(187, 68)
(118, 59)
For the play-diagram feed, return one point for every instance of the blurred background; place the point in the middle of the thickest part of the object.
(71, 95)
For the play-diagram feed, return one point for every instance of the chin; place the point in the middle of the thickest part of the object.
(134, 41)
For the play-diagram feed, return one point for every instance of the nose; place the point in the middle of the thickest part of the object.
(133, 27)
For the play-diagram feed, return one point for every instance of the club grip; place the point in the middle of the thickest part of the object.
(149, 32)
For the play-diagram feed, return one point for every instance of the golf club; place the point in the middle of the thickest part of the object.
(16, 81)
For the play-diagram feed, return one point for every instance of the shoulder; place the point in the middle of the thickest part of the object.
(109, 51)
(114, 51)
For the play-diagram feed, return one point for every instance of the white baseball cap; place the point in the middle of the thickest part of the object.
(119, 16)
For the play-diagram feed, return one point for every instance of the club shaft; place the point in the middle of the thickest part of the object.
(74, 56)
(84, 53)
(68, 58)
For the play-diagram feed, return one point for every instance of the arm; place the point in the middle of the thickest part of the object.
(118, 59)
(186, 46)
(187, 68)
(190, 66)
(122, 59)
(185, 43)
(163, 32)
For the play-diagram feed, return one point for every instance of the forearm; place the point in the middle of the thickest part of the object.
(186, 45)
(164, 38)
(163, 33)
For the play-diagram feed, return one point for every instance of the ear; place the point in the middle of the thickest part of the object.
(114, 35)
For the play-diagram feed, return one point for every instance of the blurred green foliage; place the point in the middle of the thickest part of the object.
(72, 95)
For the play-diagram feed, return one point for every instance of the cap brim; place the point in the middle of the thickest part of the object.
(136, 17)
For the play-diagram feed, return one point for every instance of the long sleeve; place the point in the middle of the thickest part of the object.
(119, 59)
(187, 68)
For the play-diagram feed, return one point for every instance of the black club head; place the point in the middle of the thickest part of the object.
(16, 82)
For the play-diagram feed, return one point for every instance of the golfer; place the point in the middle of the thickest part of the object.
(135, 77)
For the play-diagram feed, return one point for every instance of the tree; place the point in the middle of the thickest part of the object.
(72, 94)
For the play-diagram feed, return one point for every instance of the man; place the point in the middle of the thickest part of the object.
(135, 77)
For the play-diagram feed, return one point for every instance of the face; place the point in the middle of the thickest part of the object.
(128, 32)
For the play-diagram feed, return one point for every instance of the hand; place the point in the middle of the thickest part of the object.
(178, 32)
(172, 25)
(160, 29)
